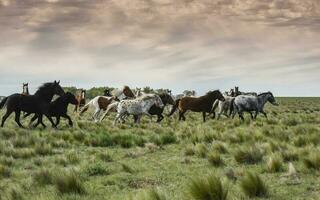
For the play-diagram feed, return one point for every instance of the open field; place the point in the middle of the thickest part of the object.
(101, 161)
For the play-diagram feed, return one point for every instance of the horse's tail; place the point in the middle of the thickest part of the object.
(174, 107)
(3, 102)
(232, 106)
(85, 107)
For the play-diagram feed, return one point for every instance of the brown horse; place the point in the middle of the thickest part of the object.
(81, 100)
(199, 104)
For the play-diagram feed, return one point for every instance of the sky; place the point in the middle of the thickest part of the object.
(258, 45)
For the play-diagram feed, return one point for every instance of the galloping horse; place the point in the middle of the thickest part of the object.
(81, 100)
(138, 107)
(25, 89)
(59, 108)
(99, 103)
(249, 103)
(37, 103)
(199, 104)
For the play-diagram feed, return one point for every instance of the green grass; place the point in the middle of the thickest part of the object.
(157, 161)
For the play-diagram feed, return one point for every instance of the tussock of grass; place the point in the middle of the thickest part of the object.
(215, 159)
(253, 186)
(313, 161)
(248, 156)
(43, 149)
(127, 168)
(274, 164)
(210, 188)
(105, 156)
(290, 155)
(5, 171)
(43, 177)
(96, 170)
(69, 183)
(220, 147)
(201, 150)
(189, 150)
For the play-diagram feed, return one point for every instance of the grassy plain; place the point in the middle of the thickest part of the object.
(171, 160)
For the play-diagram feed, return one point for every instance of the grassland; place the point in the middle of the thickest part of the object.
(171, 160)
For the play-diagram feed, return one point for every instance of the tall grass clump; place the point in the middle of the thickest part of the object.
(249, 156)
(210, 188)
(215, 159)
(253, 186)
(274, 164)
(69, 183)
(43, 177)
(313, 161)
(96, 170)
(5, 171)
(220, 147)
(201, 150)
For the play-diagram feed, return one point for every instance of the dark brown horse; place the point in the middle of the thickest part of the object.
(199, 104)
(81, 100)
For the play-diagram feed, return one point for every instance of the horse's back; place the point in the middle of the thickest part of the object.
(246, 102)
(195, 104)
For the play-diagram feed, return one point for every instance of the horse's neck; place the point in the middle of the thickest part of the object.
(47, 96)
(262, 100)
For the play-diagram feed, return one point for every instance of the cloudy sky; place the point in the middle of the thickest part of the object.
(259, 45)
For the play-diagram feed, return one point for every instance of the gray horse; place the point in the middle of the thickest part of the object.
(223, 106)
(249, 103)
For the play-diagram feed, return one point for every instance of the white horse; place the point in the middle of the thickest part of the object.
(249, 103)
(139, 106)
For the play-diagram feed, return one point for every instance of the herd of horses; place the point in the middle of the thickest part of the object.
(124, 102)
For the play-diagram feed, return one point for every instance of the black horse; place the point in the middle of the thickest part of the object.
(155, 110)
(59, 108)
(37, 103)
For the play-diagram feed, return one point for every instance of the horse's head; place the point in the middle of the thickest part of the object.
(70, 98)
(216, 94)
(106, 92)
(57, 89)
(271, 99)
(83, 93)
(158, 102)
(167, 98)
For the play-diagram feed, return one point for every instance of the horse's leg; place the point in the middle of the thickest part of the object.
(75, 108)
(204, 116)
(264, 113)
(241, 115)
(32, 120)
(69, 119)
(58, 120)
(160, 118)
(252, 117)
(17, 118)
(51, 121)
(96, 114)
(5, 117)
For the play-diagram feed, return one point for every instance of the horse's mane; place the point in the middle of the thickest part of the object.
(148, 96)
(210, 92)
(264, 93)
(43, 88)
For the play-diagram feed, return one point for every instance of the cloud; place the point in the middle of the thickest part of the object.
(162, 43)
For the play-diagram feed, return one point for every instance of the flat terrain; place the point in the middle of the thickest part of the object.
(101, 161)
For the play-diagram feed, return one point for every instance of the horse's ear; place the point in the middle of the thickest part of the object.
(58, 82)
